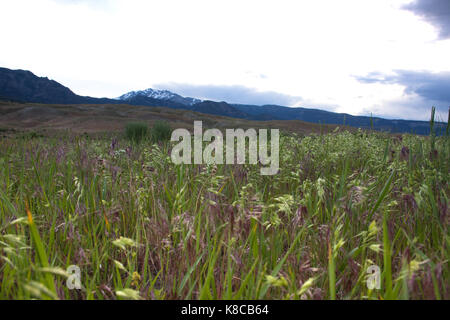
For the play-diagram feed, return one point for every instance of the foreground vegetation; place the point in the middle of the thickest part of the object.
(140, 227)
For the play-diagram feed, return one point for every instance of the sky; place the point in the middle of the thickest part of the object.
(388, 58)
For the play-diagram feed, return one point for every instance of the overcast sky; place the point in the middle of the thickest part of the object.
(386, 57)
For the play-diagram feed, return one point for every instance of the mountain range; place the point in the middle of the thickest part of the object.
(24, 86)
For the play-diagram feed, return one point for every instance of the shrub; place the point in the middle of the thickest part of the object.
(31, 135)
(161, 131)
(136, 131)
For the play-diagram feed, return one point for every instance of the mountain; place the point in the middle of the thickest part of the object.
(220, 109)
(151, 97)
(24, 86)
(164, 95)
(274, 112)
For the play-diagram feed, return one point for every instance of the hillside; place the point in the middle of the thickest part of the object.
(24, 86)
(326, 117)
(113, 118)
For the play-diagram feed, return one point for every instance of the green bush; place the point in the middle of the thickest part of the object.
(161, 131)
(31, 135)
(136, 131)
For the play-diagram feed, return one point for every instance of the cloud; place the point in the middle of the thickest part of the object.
(436, 12)
(231, 94)
(431, 86)
(422, 89)
(96, 4)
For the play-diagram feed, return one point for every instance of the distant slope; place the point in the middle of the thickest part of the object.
(141, 100)
(24, 86)
(165, 98)
(113, 118)
(274, 112)
(219, 108)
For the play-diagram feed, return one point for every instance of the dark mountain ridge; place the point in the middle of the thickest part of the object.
(274, 112)
(24, 86)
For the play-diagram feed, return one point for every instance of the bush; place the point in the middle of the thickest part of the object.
(136, 131)
(31, 135)
(161, 131)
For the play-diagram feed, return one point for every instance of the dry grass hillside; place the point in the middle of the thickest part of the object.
(113, 118)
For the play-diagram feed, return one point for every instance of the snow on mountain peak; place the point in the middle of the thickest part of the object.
(160, 95)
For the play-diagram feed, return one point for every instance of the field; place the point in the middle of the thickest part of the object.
(48, 118)
(140, 227)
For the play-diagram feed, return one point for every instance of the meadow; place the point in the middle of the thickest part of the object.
(140, 227)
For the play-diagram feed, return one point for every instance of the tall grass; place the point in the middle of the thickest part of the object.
(140, 227)
(160, 132)
(136, 131)
(447, 130)
(432, 130)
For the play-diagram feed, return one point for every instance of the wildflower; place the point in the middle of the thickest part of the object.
(136, 279)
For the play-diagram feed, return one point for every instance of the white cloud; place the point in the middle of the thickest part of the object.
(231, 94)
(311, 49)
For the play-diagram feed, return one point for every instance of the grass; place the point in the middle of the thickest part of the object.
(136, 131)
(160, 132)
(140, 227)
